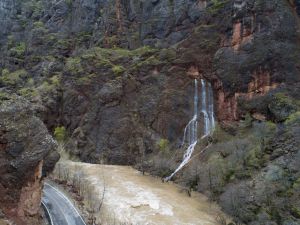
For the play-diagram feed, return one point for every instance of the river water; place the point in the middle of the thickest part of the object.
(131, 198)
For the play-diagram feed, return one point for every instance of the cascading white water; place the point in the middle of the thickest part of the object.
(191, 129)
(207, 108)
(190, 136)
(206, 123)
(211, 108)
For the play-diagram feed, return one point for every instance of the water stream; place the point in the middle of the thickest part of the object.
(128, 197)
(190, 136)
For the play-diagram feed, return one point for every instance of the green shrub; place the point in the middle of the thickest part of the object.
(5, 72)
(3, 96)
(18, 50)
(83, 38)
(45, 87)
(167, 54)
(38, 24)
(229, 175)
(60, 133)
(217, 5)
(74, 66)
(295, 212)
(111, 40)
(63, 44)
(117, 69)
(28, 92)
(86, 79)
(55, 80)
(296, 184)
(271, 127)
(254, 158)
(14, 78)
(293, 118)
(163, 145)
(283, 99)
(282, 106)
(10, 41)
(50, 39)
(144, 50)
(34, 8)
(220, 134)
(150, 61)
(69, 2)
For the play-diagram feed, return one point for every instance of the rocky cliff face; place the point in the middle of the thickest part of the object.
(128, 23)
(255, 53)
(118, 74)
(27, 154)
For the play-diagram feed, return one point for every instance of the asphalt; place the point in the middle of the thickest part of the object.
(60, 209)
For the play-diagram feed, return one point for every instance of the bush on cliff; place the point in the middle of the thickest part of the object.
(60, 134)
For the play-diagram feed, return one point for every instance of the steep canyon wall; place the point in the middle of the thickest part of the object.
(119, 74)
(246, 49)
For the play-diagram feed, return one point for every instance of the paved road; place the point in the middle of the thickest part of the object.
(60, 208)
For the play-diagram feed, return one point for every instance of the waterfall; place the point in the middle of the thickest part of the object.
(207, 108)
(211, 108)
(191, 129)
(206, 123)
(190, 135)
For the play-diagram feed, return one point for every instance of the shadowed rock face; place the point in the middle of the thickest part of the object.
(109, 103)
(128, 23)
(26, 151)
(8, 11)
(296, 4)
(119, 119)
(259, 54)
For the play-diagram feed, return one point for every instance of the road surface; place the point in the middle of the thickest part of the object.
(60, 209)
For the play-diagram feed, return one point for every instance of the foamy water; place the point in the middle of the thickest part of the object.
(131, 198)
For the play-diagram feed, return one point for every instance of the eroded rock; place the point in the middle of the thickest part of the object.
(27, 151)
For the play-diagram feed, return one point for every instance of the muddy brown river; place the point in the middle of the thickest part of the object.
(128, 197)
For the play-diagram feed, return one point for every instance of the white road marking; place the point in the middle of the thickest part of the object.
(52, 200)
(51, 220)
(70, 203)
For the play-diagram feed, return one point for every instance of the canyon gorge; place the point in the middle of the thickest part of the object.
(204, 93)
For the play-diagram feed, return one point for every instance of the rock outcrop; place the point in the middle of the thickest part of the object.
(26, 148)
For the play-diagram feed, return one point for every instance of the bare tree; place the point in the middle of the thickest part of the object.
(221, 220)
